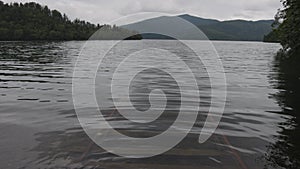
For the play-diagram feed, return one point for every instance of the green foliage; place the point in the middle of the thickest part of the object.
(288, 30)
(107, 32)
(31, 21)
(272, 37)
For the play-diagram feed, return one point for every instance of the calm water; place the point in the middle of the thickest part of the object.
(39, 128)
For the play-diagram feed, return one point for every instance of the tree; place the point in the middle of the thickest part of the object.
(31, 21)
(289, 25)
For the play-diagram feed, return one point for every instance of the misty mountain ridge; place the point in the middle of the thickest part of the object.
(235, 30)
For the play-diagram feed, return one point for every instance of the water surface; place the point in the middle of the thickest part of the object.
(39, 128)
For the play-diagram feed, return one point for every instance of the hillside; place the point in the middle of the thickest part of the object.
(32, 21)
(238, 30)
(215, 30)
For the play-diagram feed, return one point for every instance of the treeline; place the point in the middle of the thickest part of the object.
(107, 32)
(32, 21)
(287, 26)
(272, 37)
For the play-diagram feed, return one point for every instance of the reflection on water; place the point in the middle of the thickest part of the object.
(39, 128)
(285, 152)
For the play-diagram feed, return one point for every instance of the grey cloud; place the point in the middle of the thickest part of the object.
(103, 11)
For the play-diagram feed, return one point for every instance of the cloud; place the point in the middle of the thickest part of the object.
(103, 11)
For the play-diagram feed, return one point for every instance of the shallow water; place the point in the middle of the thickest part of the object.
(39, 128)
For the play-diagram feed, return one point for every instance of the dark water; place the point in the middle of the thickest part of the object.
(39, 128)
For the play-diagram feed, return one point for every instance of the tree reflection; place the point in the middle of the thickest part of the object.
(285, 152)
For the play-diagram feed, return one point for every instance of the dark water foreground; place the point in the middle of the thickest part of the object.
(39, 128)
(285, 152)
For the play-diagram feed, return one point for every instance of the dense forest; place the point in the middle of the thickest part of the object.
(285, 152)
(287, 26)
(272, 37)
(32, 21)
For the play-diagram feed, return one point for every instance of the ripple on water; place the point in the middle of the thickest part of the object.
(35, 92)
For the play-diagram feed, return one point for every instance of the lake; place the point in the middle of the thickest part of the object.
(40, 129)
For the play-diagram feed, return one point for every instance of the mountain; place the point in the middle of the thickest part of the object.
(198, 21)
(238, 30)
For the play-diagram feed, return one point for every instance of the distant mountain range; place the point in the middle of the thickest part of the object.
(235, 30)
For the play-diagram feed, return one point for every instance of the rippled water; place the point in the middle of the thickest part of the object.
(39, 128)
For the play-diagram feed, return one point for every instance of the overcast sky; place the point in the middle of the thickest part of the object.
(105, 11)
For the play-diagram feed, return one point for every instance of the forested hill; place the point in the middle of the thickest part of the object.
(236, 30)
(287, 28)
(32, 21)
